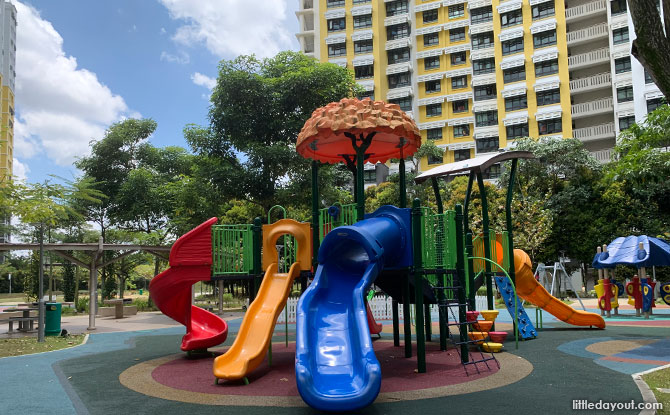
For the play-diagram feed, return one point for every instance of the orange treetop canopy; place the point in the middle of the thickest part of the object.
(333, 132)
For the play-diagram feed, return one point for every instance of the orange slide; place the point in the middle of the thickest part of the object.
(253, 339)
(530, 290)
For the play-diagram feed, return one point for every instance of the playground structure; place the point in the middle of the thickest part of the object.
(414, 255)
(638, 251)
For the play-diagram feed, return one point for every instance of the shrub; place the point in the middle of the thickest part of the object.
(143, 305)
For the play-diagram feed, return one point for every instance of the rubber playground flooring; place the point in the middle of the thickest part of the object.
(567, 364)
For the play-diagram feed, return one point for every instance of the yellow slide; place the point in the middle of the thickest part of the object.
(530, 290)
(253, 339)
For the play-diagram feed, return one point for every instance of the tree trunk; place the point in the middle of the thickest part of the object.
(652, 44)
(122, 285)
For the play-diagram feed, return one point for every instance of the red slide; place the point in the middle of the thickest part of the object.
(375, 328)
(190, 262)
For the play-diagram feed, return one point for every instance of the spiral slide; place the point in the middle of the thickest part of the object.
(336, 367)
(530, 290)
(190, 262)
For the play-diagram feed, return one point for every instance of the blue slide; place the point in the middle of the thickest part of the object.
(335, 365)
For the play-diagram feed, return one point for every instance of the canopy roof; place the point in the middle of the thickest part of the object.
(479, 163)
(327, 135)
(626, 251)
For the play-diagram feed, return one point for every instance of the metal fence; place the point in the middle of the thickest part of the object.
(232, 249)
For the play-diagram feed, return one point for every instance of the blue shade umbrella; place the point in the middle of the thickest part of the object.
(626, 251)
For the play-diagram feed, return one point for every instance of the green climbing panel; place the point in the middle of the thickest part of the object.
(232, 249)
(346, 215)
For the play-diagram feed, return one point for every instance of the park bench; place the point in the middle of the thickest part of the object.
(118, 305)
(22, 323)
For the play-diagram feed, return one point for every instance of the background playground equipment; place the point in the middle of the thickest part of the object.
(642, 252)
(606, 291)
(171, 290)
(665, 292)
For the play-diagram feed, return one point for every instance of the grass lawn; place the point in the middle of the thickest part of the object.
(29, 345)
(660, 379)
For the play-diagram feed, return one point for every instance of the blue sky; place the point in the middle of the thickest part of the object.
(82, 65)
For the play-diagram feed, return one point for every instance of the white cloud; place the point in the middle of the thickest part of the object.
(60, 107)
(203, 80)
(20, 170)
(181, 58)
(232, 27)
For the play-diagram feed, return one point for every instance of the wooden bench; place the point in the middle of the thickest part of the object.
(22, 323)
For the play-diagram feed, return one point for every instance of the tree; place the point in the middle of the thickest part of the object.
(652, 41)
(69, 282)
(258, 108)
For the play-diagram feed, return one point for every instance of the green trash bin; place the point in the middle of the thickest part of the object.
(141, 291)
(52, 319)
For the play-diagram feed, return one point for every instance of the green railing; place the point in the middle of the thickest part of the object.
(287, 246)
(439, 246)
(232, 249)
(346, 216)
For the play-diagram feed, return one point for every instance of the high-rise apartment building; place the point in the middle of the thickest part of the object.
(475, 75)
(8, 74)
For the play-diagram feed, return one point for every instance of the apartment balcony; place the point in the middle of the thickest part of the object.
(594, 133)
(594, 57)
(588, 34)
(598, 106)
(603, 156)
(591, 83)
(585, 11)
(397, 19)
(398, 43)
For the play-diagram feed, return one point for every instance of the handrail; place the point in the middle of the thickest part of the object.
(516, 307)
(272, 208)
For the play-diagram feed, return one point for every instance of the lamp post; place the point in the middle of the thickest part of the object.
(10, 283)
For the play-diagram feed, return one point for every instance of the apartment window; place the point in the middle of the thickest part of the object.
(430, 16)
(397, 31)
(399, 80)
(622, 65)
(542, 10)
(405, 103)
(460, 155)
(434, 110)
(434, 134)
(459, 106)
(626, 122)
(335, 25)
(458, 58)
(369, 176)
(624, 94)
(457, 10)
(431, 63)
(548, 97)
(511, 18)
(431, 39)
(484, 92)
(367, 94)
(456, 35)
(486, 118)
(512, 46)
(514, 74)
(361, 1)
(361, 22)
(395, 8)
(546, 68)
(458, 82)
(543, 39)
(488, 145)
(338, 49)
(492, 172)
(482, 40)
(518, 102)
(398, 55)
(652, 104)
(435, 159)
(647, 78)
(483, 66)
(517, 131)
(481, 14)
(461, 130)
(618, 7)
(433, 86)
(620, 36)
(554, 125)
(364, 72)
(334, 3)
(363, 46)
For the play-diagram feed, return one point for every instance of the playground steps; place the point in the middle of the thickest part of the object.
(526, 329)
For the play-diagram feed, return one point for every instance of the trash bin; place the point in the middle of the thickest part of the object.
(52, 319)
(141, 291)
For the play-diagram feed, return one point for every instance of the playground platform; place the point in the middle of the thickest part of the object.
(141, 370)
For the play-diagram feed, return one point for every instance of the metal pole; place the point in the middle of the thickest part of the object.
(10, 283)
(93, 293)
(403, 184)
(41, 306)
(396, 323)
(418, 287)
(508, 220)
(258, 259)
(460, 279)
(360, 185)
(487, 241)
(315, 213)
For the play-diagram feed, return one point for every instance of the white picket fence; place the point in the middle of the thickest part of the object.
(380, 305)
